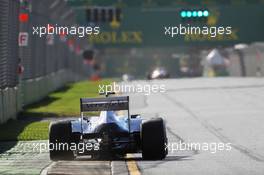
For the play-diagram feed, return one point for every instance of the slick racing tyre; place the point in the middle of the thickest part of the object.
(60, 139)
(153, 139)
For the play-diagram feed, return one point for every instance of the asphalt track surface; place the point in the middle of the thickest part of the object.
(197, 111)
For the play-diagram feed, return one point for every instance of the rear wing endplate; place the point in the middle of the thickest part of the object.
(104, 104)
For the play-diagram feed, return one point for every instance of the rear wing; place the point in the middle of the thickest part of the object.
(104, 104)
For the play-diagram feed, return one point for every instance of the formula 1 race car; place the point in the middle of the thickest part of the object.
(112, 134)
(158, 73)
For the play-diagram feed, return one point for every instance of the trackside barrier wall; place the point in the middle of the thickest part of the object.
(8, 104)
(47, 65)
(30, 91)
(248, 61)
(1, 108)
(9, 10)
(36, 89)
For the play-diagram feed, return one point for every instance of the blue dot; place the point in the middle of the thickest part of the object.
(189, 14)
(194, 13)
(183, 14)
(206, 13)
(200, 13)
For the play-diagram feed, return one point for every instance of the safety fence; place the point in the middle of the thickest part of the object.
(8, 59)
(33, 66)
(8, 43)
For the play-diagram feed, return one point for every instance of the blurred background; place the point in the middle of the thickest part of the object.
(131, 44)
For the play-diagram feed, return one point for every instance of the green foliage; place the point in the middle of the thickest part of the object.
(15, 130)
(65, 102)
(34, 121)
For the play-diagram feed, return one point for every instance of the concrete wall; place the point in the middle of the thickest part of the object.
(29, 91)
(234, 67)
(250, 58)
(33, 90)
(8, 104)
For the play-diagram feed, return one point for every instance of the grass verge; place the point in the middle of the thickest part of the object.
(66, 101)
(62, 103)
(17, 130)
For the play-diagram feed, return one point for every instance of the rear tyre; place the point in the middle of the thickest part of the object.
(154, 139)
(60, 139)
